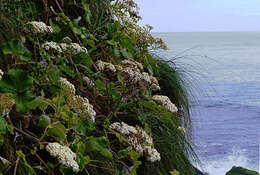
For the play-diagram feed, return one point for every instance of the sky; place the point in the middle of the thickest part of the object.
(200, 15)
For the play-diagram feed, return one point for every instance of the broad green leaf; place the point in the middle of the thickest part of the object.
(67, 70)
(125, 53)
(100, 145)
(79, 147)
(100, 85)
(84, 160)
(66, 171)
(57, 130)
(85, 126)
(18, 82)
(44, 121)
(17, 48)
(53, 73)
(55, 27)
(40, 102)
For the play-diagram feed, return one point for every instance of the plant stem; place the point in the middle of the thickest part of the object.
(16, 165)
(46, 166)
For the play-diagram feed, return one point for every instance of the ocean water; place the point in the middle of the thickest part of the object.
(225, 69)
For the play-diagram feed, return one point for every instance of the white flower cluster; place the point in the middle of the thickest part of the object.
(64, 154)
(82, 106)
(67, 87)
(6, 103)
(131, 70)
(138, 140)
(88, 81)
(104, 66)
(182, 129)
(71, 48)
(136, 76)
(165, 102)
(79, 104)
(133, 64)
(1, 74)
(35, 27)
(52, 46)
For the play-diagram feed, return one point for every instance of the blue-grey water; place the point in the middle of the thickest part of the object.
(225, 68)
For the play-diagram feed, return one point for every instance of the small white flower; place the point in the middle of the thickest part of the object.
(64, 155)
(82, 106)
(1, 74)
(133, 75)
(182, 129)
(67, 87)
(153, 154)
(102, 66)
(52, 46)
(165, 102)
(35, 27)
(132, 63)
(138, 140)
(6, 103)
(88, 81)
(65, 48)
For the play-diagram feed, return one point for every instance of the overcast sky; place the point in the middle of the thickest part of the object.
(201, 15)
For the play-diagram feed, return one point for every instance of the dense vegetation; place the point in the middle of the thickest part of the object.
(81, 94)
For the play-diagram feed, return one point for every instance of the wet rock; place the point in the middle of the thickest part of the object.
(241, 171)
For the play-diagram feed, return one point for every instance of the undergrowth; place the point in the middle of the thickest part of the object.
(80, 93)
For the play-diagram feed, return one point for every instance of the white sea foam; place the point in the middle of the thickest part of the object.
(221, 166)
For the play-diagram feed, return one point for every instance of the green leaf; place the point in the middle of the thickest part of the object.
(100, 85)
(119, 78)
(125, 53)
(119, 137)
(67, 70)
(84, 160)
(91, 43)
(53, 73)
(3, 125)
(17, 48)
(44, 121)
(174, 172)
(20, 154)
(18, 82)
(57, 130)
(66, 171)
(40, 102)
(55, 27)
(111, 42)
(85, 126)
(116, 52)
(2, 139)
(100, 145)
(28, 168)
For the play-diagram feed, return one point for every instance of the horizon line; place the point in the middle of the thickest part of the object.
(205, 31)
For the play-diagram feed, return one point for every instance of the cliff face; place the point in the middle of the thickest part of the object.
(81, 94)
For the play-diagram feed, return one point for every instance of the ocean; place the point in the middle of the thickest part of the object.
(224, 68)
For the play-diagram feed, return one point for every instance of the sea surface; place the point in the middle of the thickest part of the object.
(224, 69)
